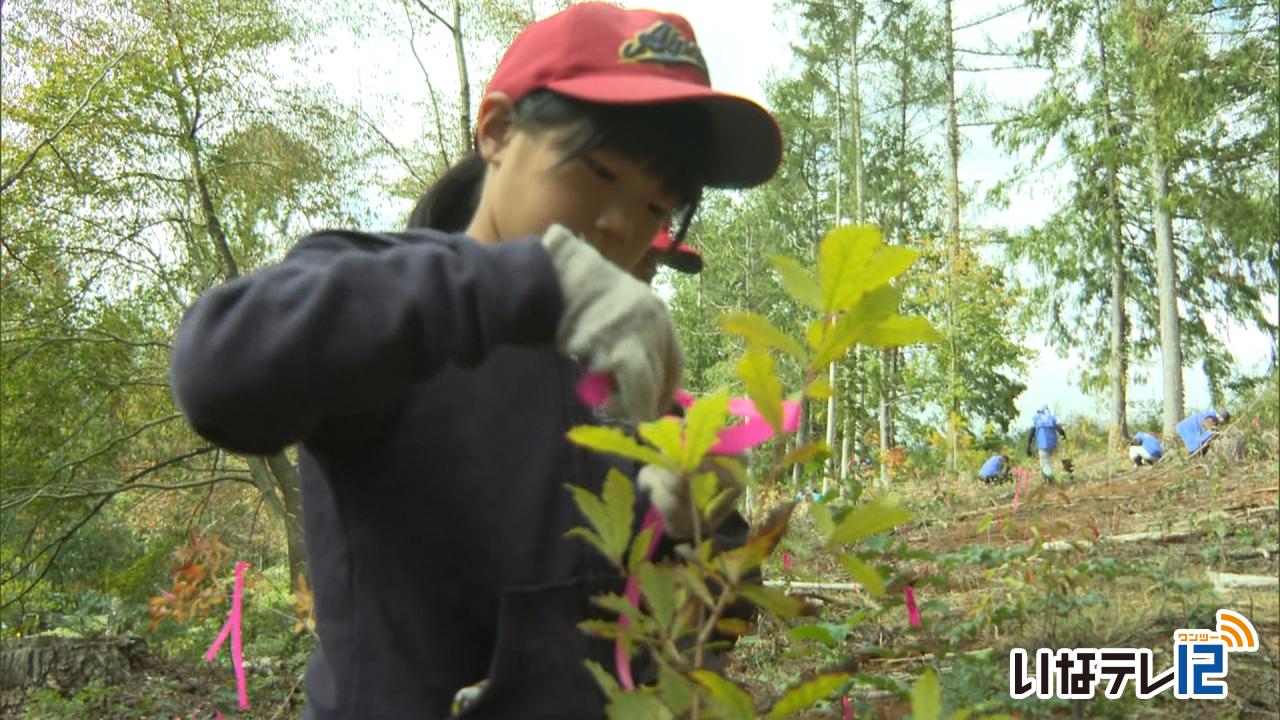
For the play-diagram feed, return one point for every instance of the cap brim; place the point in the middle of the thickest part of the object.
(682, 260)
(746, 144)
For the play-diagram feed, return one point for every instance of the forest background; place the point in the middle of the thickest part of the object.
(1096, 179)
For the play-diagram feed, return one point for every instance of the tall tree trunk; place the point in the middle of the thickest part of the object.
(277, 467)
(1167, 284)
(953, 241)
(1119, 428)
(464, 81)
(831, 367)
(848, 447)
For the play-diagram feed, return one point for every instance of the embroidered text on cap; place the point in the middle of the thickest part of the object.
(662, 43)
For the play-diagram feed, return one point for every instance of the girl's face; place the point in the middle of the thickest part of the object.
(601, 195)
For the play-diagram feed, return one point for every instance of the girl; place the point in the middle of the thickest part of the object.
(428, 377)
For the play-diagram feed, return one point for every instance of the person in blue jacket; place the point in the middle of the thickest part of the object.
(1045, 432)
(995, 469)
(1145, 449)
(1199, 430)
(427, 378)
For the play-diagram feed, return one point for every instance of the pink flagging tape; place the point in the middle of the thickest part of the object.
(913, 612)
(652, 519)
(232, 628)
(595, 388)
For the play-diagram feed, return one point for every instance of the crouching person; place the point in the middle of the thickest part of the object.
(1145, 449)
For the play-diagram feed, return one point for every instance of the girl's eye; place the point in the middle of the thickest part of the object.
(600, 170)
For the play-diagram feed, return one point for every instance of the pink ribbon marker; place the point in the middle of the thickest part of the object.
(232, 628)
(786, 562)
(652, 519)
(847, 707)
(913, 612)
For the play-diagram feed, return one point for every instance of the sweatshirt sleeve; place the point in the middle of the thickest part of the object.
(347, 321)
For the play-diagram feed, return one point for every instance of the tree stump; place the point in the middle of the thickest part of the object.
(65, 664)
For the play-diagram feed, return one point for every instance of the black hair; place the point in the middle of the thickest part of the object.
(669, 140)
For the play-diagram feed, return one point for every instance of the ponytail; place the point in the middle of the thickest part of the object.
(451, 201)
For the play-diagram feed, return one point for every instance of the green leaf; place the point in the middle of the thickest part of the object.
(809, 451)
(757, 372)
(760, 332)
(613, 441)
(772, 599)
(986, 522)
(898, 331)
(826, 633)
(702, 425)
(611, 515)
(876, 516)
(738, 562)
(822, 519)
(733, 627)
(666, 435)
(926, 697)
(639, 548)
(864, 574)
(806, 694)
(638, 705)
(843, 259)
(603, 678)
(659, 589)
(675, 689)
(799, 284)
(725, 699)
(703, 488)
(819, 389)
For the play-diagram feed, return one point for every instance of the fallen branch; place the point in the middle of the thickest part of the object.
(1262, 552)
(813, 585)
(1231, 581)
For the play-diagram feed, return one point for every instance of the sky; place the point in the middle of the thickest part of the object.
(744, 41)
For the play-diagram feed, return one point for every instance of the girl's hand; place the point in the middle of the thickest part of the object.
(616, 324)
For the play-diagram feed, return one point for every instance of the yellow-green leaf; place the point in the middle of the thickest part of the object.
(866, 520)
(819, 389)
(898, 331)
(610, 514)
(702, 425)
(615, 442)
(659, 588)
(664, 434)
(807, 452)
(638, 705)
(864, 574)
(772, 599)
(806, 694)
(757, 372)
(675, 689)
(759, 331)
(926, 697)
(842, 264)
(603, 678)
(724, 699)
(822, 519)
(639, 548)
(734, 627)
(798, 282)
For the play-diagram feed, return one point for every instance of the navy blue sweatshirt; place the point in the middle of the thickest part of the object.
(417, 375)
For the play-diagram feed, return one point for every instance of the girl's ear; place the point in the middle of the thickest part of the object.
(495, 125)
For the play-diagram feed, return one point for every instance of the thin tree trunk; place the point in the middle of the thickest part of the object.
(285, 476)
(464, 82)
(1119, 429)
(953, 241)
(1167, 283)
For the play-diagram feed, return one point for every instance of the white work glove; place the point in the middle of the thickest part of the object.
(616, 324)
(670, 494)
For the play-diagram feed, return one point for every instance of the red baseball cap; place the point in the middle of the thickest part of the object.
(681, 257)
(604, 54)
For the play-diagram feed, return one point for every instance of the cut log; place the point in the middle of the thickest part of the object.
(68, 663)
(1223, 582)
